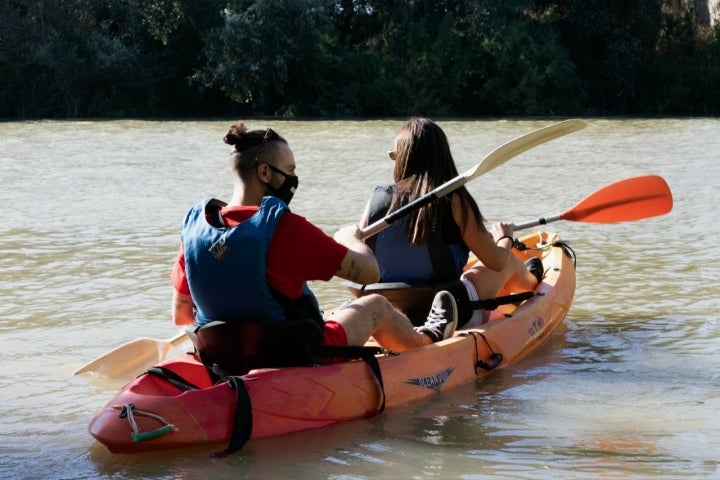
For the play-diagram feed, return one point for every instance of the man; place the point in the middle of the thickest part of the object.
(241, 273)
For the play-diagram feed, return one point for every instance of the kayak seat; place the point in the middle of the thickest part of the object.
(415, 299)
(236, 347)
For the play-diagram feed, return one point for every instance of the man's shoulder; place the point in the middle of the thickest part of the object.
(295, 222)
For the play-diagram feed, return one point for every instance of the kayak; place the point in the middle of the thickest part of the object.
(176, 404)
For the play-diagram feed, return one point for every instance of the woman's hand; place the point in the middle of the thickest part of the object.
(502, 229)
(348, 235)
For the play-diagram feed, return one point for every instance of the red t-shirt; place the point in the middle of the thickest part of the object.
(298, 252)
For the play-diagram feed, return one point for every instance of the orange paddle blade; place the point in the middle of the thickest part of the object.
(623, 201)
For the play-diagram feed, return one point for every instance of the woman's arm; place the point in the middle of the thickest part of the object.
(487, 247)
(365, 216)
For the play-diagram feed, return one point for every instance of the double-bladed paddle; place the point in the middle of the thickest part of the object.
(626, 200)
(138, 355)
(494, 159)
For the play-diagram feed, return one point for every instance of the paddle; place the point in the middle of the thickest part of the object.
(494, 159)
(132, 358)
(622, 201)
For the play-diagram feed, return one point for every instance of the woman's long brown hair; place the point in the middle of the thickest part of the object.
(423, 162)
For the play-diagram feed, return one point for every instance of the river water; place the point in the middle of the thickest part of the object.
(629, 388)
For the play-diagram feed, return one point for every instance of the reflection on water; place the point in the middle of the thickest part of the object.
(628, 390)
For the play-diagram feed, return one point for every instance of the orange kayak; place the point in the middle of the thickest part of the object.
(183, 408)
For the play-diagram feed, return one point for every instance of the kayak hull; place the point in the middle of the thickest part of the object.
(281, 401)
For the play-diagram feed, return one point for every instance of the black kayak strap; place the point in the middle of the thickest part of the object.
(243, 421)
(493, 303)
(171, 377)
(367, 354)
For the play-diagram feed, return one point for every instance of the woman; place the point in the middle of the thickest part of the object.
(433, 244)
(241, 274)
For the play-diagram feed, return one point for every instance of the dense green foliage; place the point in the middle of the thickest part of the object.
(160, 58)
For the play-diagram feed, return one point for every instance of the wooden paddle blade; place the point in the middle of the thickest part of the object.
(624, 201)
(494, 159)
(132, 358)
(521, 144)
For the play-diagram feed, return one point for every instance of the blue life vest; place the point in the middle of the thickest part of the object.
(441, 258)
(226, 266)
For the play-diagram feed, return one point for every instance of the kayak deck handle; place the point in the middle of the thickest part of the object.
(129, 411)
(496, 358)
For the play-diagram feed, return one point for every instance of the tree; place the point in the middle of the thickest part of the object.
(264, 51)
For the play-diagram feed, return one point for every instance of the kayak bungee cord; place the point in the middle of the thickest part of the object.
(129, 411)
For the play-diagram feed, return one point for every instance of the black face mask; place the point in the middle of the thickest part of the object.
(288, 187)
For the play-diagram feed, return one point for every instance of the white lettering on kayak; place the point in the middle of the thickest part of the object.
(434, 381)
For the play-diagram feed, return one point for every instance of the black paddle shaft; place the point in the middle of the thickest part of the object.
(415, 205)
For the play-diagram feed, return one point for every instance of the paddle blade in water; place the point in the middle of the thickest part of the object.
(624, 201)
